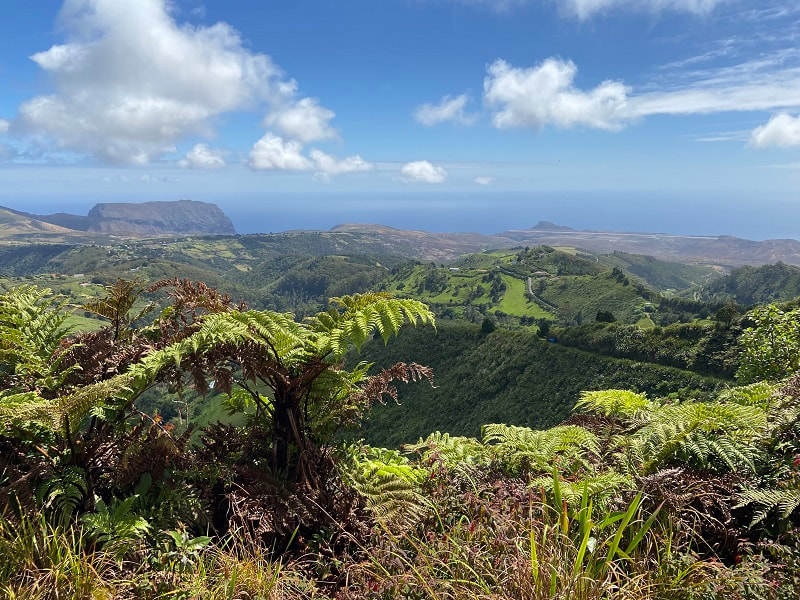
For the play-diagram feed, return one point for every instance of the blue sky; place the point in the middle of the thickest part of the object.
(467, 114)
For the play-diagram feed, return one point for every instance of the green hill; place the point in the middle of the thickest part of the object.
(289, 272)
(662, 275)
(509, 376)
(756, 285)
(524, 286)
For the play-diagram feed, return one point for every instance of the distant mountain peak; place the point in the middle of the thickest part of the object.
(550, 226)
(181, 217)
(148, 218)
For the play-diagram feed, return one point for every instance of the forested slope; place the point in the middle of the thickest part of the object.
(507, 376)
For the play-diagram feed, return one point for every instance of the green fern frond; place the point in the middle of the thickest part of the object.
(784, 501)
(760, 394)
(62, 493)
(31, 330)
(622, 404)
(354, 319)
(69, 410)
(521, 448)
(452, 451)
(387, 481)
(711, 434)
(116, 526)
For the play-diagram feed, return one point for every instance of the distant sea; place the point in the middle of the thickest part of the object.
(494, 213)
(489, 212)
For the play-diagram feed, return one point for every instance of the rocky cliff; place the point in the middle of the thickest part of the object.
(182, 217)
(156, 218)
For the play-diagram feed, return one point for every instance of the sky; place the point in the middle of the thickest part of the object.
(652, 115)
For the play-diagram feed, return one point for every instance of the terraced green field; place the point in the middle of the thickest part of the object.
(515, 302)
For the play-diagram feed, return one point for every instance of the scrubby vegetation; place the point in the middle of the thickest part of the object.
(684, 491)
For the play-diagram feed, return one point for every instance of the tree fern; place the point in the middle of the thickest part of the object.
(388, 483)
(353, 320)
(709, 434)
(520, 448)
(31, 330)
(298, 362)
(117, 303)
(451, 451)
(621, 404)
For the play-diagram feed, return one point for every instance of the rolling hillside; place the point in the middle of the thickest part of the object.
(505, 377)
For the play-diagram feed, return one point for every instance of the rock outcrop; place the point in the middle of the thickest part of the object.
(159, 218)
(181, 217)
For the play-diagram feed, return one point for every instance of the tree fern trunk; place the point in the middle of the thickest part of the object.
(287, 433)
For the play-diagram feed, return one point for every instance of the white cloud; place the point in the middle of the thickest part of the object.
(273, 153)
(305, 121)
(769, 82)
(330, 165)
(203, 157)
(739, 135)
(483, 180)
(545, 95)
(448, 109)
(782, 130)
(4, 126)
(130, 82)
(585, 9)
(421, 171)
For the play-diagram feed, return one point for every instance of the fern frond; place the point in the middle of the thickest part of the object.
(760, 394)
(31, 330)
(622, 404)
(117, 301)
(63, 492)
(521, 448)
(452, 451)
(713, 434)
(388, 483)
(785, 501)
(355, 318)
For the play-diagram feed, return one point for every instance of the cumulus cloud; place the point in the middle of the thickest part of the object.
(448, 109)
(273, 153)
(4, 126)
(203, 157)
(483, 180)
(421, 171)
(130, 81)
(330, 165)
(304, 120)
(782, 130)
(545, 95)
